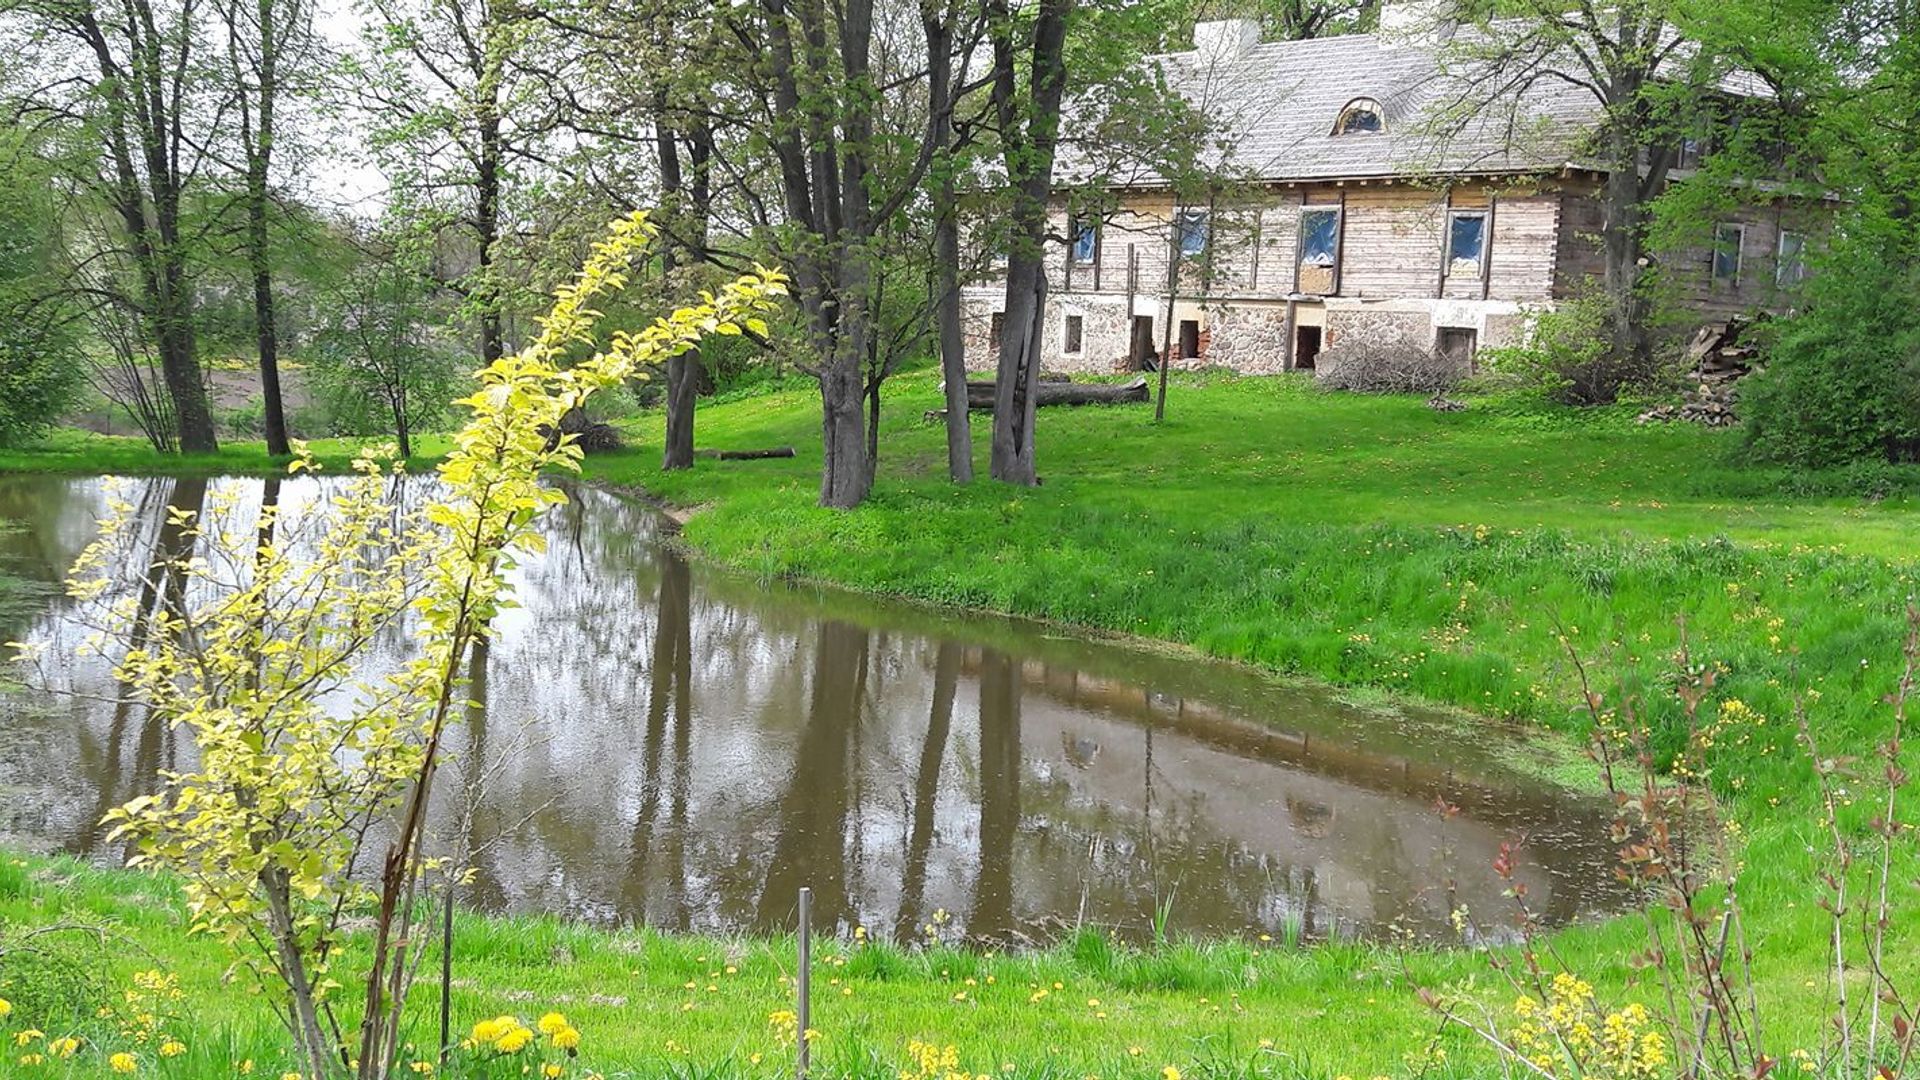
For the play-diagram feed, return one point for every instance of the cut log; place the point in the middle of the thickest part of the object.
(747, 455)
(980, 394)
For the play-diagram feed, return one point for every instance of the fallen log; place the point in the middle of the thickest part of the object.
(980, 394)
(747, 455)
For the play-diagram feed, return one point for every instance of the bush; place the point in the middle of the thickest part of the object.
(1567, 358)
(1842, 381)
(1387, 369)
(39, 381)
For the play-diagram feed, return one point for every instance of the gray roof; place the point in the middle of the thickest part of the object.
(1277, 102)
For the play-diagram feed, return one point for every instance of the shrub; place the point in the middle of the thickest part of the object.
(1386, 369)
(1842, 381)
(1567, 359)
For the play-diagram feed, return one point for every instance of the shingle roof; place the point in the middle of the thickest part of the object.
(1277, 103)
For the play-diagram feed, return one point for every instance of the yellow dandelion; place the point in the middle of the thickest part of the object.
(552, 1024)
(64, 1048)
(22, 1038)
(1134, 1051)
(551, 1071)
(290, 1076)
(1170, 1073)
(567, 1038)
(32, 1059)
(246, 1067)
(514, 1041)
(172, 1048)
(424, 1068)
(6, 1008)
(123, 1062)
(487, 1030)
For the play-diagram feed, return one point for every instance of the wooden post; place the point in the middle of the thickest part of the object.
(804, 1012)
(1133, 284)
(1173, 288)
(1486, 246)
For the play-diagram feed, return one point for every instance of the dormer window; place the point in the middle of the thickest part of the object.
(1361, 117)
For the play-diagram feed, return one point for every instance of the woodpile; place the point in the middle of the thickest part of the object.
(1720, 360)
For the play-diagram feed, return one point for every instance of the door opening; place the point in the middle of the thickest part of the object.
(1306, 347)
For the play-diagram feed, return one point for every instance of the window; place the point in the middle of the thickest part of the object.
(1086, 242)
(1319, 237)
(1074, 338)
(1193, 226)
(1360, 117)
(1466, 242)
(1727, 240)
(1689, 153)
(1790, 264)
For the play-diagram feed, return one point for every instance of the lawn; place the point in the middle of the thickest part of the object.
(1368, 542)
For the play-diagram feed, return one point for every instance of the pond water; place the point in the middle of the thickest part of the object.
(659, 743)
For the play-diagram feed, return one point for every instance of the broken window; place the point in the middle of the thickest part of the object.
(1194, 226)
(1727, 239)
(1790, 265)
(1086, 242)
(1075, 336)
(1319, 249)
(1360, 117)
(1466, 242)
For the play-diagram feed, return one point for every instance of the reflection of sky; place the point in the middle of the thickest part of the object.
(663, 745)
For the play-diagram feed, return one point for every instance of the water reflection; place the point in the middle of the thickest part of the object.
(653, 743)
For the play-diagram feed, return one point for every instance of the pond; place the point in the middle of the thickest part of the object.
(655, 742)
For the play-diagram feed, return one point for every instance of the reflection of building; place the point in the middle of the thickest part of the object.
(1366, 225)
(658, 746)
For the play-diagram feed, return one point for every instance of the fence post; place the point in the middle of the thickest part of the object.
(803, 1014)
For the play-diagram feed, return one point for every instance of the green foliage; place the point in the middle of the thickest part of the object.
(1842, 382)
(40, 364)
(382, 364)
(1566, 358)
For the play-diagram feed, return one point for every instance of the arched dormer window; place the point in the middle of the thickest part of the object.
(1362, 116)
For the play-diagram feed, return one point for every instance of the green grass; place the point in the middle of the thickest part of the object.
(1367, 542)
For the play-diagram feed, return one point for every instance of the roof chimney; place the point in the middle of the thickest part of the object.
(1423, 22)
(1225, 39)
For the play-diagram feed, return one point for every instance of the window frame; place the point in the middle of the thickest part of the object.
(1780, 263)
(1069, 347)
(1484, 216)
(1076, 226)
(1739, 253)
(1367, 105)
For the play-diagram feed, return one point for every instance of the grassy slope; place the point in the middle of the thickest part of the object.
(1368, 542)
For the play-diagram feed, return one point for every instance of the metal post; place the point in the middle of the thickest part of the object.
(446, 978)
(803, 1015)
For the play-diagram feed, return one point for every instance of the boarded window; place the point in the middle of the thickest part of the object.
(1459, 344)
(1075, 335)
(1086, 242)
(1194, 226)
(1727, 240)
(1790, 266)
(1466, 242)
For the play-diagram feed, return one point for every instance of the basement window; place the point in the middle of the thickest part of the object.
(1466, 242)
(1073, 336)
(1728, 238)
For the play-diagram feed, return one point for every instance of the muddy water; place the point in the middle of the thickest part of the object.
(658, 743)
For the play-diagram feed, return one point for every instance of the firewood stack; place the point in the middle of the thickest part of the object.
(1720, 360)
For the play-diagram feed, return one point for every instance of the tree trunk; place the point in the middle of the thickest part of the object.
(1623, 244)
(1030, 135)
(259, 150)
(682, 370)
(846, 476)
(946, 245)
(486, 218)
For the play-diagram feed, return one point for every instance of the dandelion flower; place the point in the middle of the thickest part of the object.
(172, 1048)
(22, 1038)
(551, 1071)
(290, 1076)
(424, 1068)
(567, 1038)
(64, 1048)
(1170, 1073)
(552, 1024)
(123, 1062)
(486, 1031)
(32, 1059)
(514, 1041)
(246, 1067)
(6, 1008)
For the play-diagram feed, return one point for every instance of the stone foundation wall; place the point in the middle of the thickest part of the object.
(1247, 338)
(1376, 328)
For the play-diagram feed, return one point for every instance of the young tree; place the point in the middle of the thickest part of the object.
(40, 358)
(261, 647)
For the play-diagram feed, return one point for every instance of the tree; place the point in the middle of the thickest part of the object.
(40, 358)
(381, 359)
(1649, 70)
(265, 38)
(129, 84)
(257, 652)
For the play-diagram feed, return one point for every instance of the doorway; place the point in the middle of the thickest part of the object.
(1306, 347)
(1140, 352)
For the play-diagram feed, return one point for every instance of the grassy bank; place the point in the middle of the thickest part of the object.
(1366, 542)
